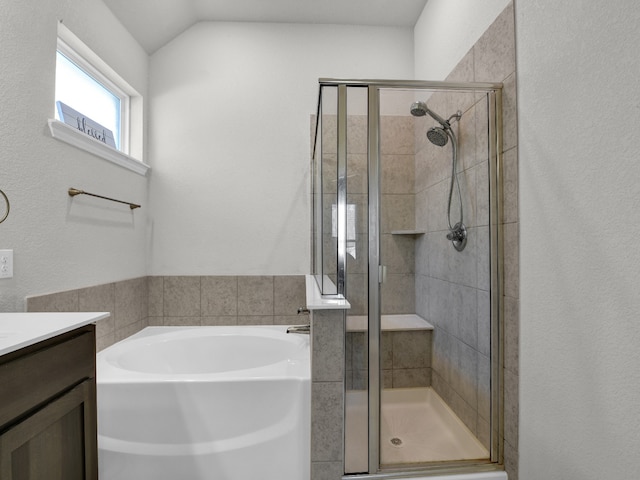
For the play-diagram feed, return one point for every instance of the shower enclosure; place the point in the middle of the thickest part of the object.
(406, 208)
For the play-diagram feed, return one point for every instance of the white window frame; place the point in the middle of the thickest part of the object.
(80, 54)
(99, 77)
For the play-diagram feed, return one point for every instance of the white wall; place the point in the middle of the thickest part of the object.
(445, 32)
(579, 160)
(61, 244)
(230, 138)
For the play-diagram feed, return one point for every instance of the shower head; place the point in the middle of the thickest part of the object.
(420, 109)
(438, 136)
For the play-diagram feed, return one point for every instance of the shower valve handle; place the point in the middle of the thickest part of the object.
(458, 236)
(455, 235)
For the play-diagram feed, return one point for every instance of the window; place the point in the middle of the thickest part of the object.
(92, 102)
(80, 90)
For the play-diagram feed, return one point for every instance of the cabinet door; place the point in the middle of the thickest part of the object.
(58, 442)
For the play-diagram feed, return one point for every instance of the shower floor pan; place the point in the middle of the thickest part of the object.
(416, 426)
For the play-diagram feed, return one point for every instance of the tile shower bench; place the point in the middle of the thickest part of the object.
(405, 347)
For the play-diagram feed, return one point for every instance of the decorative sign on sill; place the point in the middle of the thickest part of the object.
(84, 124)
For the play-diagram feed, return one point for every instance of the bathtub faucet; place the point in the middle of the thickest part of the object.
(299, 329)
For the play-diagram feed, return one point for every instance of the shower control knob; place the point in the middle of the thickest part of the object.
(458, 236)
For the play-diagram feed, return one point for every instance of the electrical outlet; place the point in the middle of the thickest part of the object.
(6, 263)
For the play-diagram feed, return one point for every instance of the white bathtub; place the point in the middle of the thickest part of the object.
(204, 403)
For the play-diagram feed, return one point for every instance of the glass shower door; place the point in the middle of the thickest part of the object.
(403, 167)
(434, 296)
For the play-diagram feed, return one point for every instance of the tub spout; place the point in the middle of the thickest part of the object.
(299, 329)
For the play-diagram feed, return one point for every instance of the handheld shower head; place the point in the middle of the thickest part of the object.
(439, 136)
(420, 109)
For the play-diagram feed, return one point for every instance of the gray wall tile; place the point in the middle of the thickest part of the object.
(105, 341)
(255, 295)
(484, 323)
(358, 173)
(131, 302)
(291, 319)
(511, 334)
(510, 185)
(511, 260)
(100, 298)
(466, 134)
(357, 134)
(219, 320)
(327, 407)
(510, 120)
(463, 72)
(327, 340)
(156, 296)
(54, 302)
(397, 212)
(326, 470)
(399, 253)
(511, 407)
(494, 51)
(398, 294)
(411, 349)
(255, 320)
(219, 295)
(181, 321)
(398, 174)
(288, 294)
(411, 377)
(105, 327)
(482, 194)
(182, 296)
(396, 135)
(129, 329)
(511, 461)
(484, 387)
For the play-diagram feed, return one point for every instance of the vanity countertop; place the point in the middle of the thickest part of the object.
(18, 330)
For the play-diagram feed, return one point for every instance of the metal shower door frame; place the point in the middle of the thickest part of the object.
(375, 267)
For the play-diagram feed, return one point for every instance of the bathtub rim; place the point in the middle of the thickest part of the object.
(288, 369)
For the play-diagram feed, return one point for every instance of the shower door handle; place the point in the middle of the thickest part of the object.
(382, 273)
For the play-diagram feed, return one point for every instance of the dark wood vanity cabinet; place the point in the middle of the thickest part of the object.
(48, 409)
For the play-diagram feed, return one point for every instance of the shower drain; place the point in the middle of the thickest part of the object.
(396, 442)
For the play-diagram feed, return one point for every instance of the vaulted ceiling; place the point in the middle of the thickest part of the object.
(155, 22)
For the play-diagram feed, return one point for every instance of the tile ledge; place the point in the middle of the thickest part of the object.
(317, 301)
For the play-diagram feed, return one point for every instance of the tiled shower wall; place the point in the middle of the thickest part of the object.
(397, 207)
(452, 289)
(402, 366)
(182, 301)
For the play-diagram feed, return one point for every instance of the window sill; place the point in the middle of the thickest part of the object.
(65, 133)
